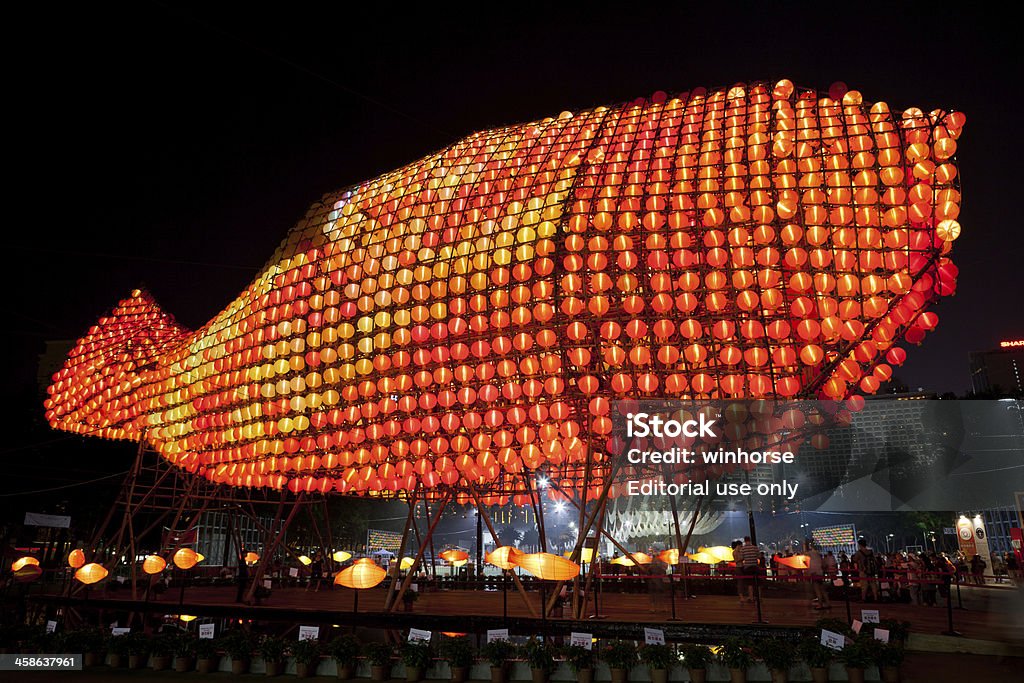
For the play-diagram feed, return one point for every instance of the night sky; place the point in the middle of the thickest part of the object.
(174, 145)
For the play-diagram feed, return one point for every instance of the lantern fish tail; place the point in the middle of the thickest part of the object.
(93, 393)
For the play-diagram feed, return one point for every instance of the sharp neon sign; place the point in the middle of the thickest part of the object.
(1012, 344)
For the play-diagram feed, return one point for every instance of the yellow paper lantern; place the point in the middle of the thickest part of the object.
(363, 573)
(342, 556)
(722, 552)
(627, 561)
(504, 557)
(305, 560)
(76, 558)
(460, 563)
(91, 573)
(153, 564)
(548, 566)
(23, 562)
(704, 558)
(187, 617)
(670, 556)
(186, 558)
(406, 563)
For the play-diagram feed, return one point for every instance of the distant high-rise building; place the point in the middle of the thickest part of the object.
(999, 371)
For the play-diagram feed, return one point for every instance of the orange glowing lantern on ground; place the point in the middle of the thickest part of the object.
(670, 556)
(505, 557)
(251, 558)
(91, 573)
(407, 563)
(23, 562)
(454, 555)
(305, 560)
(341, 556)
(76, 558)
(153, 564)
(637, 558)
(548, 566)
(186, 558)
(722, 553)
(363, 573)
(794, 562)
(703, 558)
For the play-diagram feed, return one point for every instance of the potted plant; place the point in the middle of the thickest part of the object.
(272, 650)
(184, 652)
(162, 649)
(696, 659)
(408, 598)
(498, 653)
(416, 657)
(581, 661)
(817, 657)
(659, 659)
(541, 659)
(89, 641)
(856, 656)
(620, 656)
(379, 655)
(898, 630)
(238, 644)
(307, 657)
(207, 653)
(345, 650)
(117, 650)
(458, 652)
(138, 645)
(778, 655)
(889, 657)
(737, 656)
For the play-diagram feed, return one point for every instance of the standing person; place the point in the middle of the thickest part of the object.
(316, 573)
(816, 575)
(830, 565)
(1012, 567)
(242, 575)
(747, 559)
(867, 564)
(978, 570)
(656, 585)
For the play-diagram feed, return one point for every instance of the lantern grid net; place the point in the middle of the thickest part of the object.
(463, 322)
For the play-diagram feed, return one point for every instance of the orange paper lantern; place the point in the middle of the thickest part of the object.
(23, 562)
(454, 555)
(548, 566)
(76, 558)
(186, 558)
(251, 558)
(794, 562)
(505, 557)
(363, 573)
(670, 556)
(153, 564)
(91, 573)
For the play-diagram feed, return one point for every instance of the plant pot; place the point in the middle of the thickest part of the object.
(136, 661)
(380, 672)
(460, 674)
(239, 666)
(413, 674)
(273, 668)
(207, 665)
(780, 675)
(819, 674)
(659, 675)
(499, 674)
(91, 659)
(890, 674)
(854, 674)
(698, 675)
(346, 672)
(619, 675)
(737, 676)
(116, 661)
(182, 664)
(305, 670)
(538, 675)
(160, 662)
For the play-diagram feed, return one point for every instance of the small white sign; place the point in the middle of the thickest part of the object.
(496, 634)
(654, 636)
(207, 631)
(832, 640)
(120, 631)
(882, 635)
(309, 633)
(837, 582)
(414, 587)
(51, 626)
(419, 636)
(121, 579)
(268, 584)
(869, 616)
(584, 640)
(293, 572)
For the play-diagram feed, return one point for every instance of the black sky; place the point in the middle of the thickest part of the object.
(176, 144)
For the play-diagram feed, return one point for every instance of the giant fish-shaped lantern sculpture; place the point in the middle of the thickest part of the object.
(467, 319)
